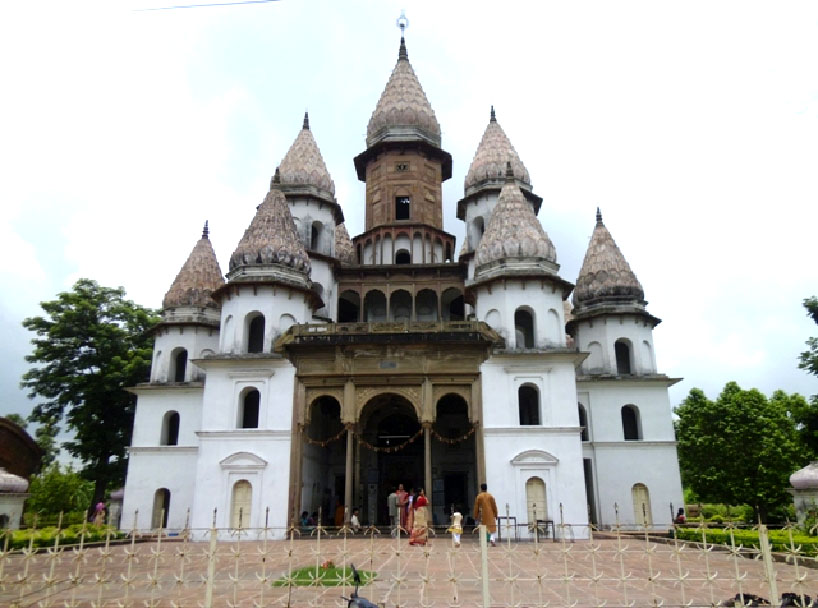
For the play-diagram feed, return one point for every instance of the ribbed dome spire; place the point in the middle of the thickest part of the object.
(403, 113)
(493, 152)
(605, 274)
(304, 165)
(344, 250)
(514, 233)
(198, 279)
(271, 237)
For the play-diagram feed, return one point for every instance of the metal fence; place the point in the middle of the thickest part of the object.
(576, 566)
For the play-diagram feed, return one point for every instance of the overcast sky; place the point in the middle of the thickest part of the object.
(693, 125)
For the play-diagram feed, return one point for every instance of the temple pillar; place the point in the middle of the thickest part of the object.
(348, 472)
(427, 459)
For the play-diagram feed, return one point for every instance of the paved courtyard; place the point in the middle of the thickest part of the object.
(608, 571)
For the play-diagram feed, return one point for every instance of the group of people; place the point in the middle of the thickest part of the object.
(310, 521)
(409, 512)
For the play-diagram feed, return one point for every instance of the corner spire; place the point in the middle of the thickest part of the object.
(598, 217)
(306, 120)
(402, 22)
(205, 231)
(493, 115)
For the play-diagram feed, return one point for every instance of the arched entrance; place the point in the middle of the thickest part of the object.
(454, 471)
(391, 452)
(323, 459)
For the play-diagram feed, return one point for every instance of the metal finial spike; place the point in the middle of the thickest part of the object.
(402, 54)
(493, 115)
(205, 231)
(598, 217)
(509, 172)
(306, 120)
(276, 178)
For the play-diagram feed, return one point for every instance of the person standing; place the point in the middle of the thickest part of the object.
(420, 520)
(392, 507)
(485, 510)
(456, 528)
(403, 500)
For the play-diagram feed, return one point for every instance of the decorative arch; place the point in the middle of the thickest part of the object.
(243, 461)
(374, 306)
(400, 305)
(349, 306)
(535, 458)
(241, 504)
(594, 362)
(364, 395)
(535, 498)
(642, 514)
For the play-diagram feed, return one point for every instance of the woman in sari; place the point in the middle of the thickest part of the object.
(420, 524)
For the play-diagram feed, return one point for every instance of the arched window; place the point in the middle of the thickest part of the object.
(493, 319)
(286, 321)
(594, 361)
(529, 403)
(161, 506)
(374, 306)
(349, 305)
(255, 333)
(402, 207)
(622, 349)
(426, 305)
(170, 428)
(583, 422)
(642, 515)
(403, 257)
(179, 364)
(241, 503)
(315, 236)
(535, 500)
(248, 412)
(400, 305)
(452, 306)
(477, 232)
(524, 328)
(631, 427)
(647, 357)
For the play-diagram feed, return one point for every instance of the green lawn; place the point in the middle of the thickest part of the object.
(327, 577)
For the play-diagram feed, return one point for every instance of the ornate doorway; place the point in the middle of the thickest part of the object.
(391, 453)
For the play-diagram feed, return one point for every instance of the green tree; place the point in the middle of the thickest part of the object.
(46, 437)
(809, 358)
(18, 420)
(55, 490)
(739, 449)
(90, 345)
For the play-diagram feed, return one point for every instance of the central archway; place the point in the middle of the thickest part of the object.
(391, 453)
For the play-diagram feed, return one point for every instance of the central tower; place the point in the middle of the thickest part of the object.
(403, 165)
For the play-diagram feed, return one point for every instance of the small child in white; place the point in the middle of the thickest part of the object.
(456, 528)
(353, 521)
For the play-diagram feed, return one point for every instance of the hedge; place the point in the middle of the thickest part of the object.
(44, 537)
(779, 539)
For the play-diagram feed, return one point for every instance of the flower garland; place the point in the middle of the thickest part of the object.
(323, 444)
(450, 441)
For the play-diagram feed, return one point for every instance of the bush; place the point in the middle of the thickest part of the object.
(55, 490)
(779, 539)
(45, 537)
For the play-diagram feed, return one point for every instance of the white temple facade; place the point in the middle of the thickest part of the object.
(323, 370)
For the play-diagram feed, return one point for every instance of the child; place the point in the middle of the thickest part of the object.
(353, 521)
(456, 528)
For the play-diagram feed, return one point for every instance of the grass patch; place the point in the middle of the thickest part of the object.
(325, 577)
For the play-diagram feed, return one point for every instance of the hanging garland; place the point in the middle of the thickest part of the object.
(391, 449)
(323, 444)
(449, 441)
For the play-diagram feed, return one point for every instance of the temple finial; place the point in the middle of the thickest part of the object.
(509, 173)
(402, 22)
(493, 115)
(306, 120)
(205, 231)
(276, 179)
(598, 217)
